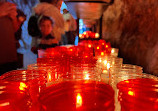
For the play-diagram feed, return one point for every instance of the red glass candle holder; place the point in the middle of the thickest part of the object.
(75, 92)
(139, 94)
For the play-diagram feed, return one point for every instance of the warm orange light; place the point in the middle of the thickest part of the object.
(97, 47)
(103, 43)
(4, 104)
(112, 51)
(70, 49)
(102, 53)
(84, 33)
(49, 77)
(86, 56)
(104, 71)
(105, 62)
(106, 46)
(87, 35)
(22, 86)
(108, 65)
(89, 45)
(80, 35)
(86, 75)
(78, 100)
(99, 59)
(127, 81)
(96, 35)
(131, 93)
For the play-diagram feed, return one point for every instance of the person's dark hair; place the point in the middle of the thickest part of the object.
(48, 1)
(20, 13)
(43, 18)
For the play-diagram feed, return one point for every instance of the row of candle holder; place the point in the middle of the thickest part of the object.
(111, 70)
(84, 49)
(79, 83)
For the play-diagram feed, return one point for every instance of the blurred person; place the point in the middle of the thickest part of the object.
(70, 27)
(51, 8)
(21, 17)
(46, 40)
(8, 56)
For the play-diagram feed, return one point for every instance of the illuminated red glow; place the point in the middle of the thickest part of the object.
(89, 34)
(14, 96)
(138, 94)
(78, 96)
(78, 100)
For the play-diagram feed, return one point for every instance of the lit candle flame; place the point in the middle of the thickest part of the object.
(131, 93)
(105, 62)
(86, 56)
(78, 100)
(80, 35)
(127, 81)
(112, 51)
(99, 60)
(108, 65)
(89, 45)
(22, 86)
(102, 53)
(96, 35)
(49, 77)
(84, 33)
(70, 49)
(86, 76)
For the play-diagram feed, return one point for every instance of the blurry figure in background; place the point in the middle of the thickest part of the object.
(8, 56)
(46, 40)
(70, 27)
(51, 8)
(21, 17)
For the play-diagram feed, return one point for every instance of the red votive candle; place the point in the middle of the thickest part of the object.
(138, 94)
(80, 95)
(14, 96)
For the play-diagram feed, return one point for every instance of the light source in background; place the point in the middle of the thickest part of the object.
(96, 35)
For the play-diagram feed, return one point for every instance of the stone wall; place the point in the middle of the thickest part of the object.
(132, 26)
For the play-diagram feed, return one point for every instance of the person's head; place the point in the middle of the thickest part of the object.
(45, 25)
(21, 17)
(65, 11)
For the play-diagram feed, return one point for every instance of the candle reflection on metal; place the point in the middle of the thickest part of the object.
(78, 100)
